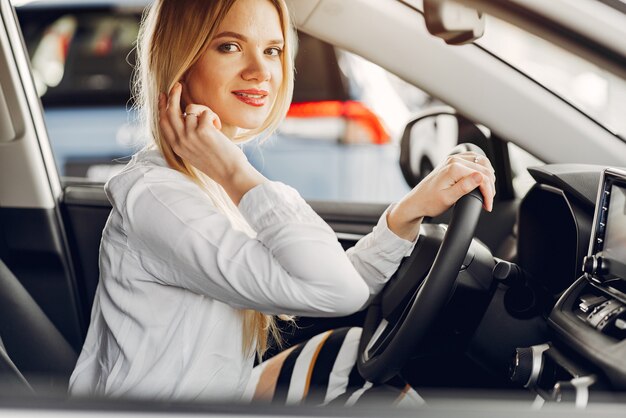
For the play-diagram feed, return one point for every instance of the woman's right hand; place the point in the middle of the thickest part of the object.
(197, 139)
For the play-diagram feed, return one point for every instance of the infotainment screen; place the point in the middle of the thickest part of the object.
(614, 251)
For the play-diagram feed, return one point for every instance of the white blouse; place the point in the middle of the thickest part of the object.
(174, 273)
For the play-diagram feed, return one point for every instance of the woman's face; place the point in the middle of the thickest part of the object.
(239, 74)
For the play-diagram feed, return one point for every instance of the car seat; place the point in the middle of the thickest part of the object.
(34, 356)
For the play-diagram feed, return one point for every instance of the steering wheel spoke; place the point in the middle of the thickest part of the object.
(387, 328)
(376, 341)
(406, 281)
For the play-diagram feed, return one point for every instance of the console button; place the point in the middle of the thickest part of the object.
(616, 325)
(602, 312)
(610, 317)
(588, 302)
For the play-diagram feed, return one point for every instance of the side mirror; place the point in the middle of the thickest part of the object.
(453, 22)
(429, 137)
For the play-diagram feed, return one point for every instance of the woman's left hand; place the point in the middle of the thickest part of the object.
(447, 183)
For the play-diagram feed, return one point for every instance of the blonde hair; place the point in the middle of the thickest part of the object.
(165, 52)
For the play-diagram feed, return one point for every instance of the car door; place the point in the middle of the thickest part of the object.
(33, 237)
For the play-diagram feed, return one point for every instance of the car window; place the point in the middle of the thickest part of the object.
(344, 150)
(338, 142)
(81, 57)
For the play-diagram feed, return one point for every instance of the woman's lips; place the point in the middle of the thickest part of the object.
(251, 97)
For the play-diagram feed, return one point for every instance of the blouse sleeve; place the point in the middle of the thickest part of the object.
(295, 265)
(377, 255)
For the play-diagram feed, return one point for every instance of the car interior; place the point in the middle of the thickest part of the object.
(527, 299)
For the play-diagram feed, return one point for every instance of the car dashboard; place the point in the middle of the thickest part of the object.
(572, 253)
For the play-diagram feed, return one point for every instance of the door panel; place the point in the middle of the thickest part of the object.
(32, 237)
(34, 250)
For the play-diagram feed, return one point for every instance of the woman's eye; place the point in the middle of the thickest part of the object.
(274, 51)
(228, 47)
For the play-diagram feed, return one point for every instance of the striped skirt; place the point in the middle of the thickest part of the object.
(323, 371)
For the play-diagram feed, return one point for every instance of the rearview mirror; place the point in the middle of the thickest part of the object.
(453, 22)
(429, 137)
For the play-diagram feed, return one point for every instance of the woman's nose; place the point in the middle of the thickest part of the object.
(257, 69)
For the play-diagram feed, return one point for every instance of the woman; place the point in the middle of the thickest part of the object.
(200, 250)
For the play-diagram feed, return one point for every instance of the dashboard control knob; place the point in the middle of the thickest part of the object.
(522, 366)
(564, 391)
(594, 265)
(527, 365)
(590, 264)
(575, 390)
(507, 273)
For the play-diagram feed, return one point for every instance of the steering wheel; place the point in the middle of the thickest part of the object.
(400, 316)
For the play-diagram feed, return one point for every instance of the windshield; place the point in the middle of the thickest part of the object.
(597, 93)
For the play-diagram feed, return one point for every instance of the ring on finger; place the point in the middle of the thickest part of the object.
(476, 159)
(189, 114)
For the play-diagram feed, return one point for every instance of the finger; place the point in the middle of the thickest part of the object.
(487, 188)
(174, 113)
(208, 118)
(486, 185)
(487, 172)
(463, 186)
(482, 161)
(199, 109)
(191, 121)
(455, 171)
(483, 165)
(459, 177)
(164, 123)
(191, 115)
(473, 158)
(488, 191)
(492, 185)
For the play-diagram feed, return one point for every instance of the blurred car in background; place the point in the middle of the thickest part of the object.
(82, 59)
(82, 67)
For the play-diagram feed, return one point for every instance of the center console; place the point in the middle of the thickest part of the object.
(589, 319)
(601, 301)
